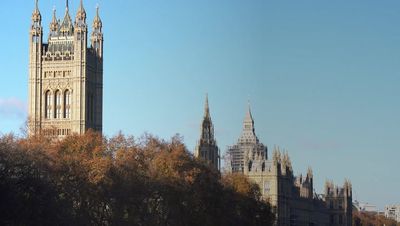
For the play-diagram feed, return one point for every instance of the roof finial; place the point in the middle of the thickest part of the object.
(67, 5)
(37, 4)
(97, 10)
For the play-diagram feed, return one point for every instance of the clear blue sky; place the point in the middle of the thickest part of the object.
(323, 77)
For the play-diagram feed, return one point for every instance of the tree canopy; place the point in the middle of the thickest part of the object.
(92, 180)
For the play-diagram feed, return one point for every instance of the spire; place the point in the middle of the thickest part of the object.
(66, 27)
(37, 6)
(36, 16)
(207, 127)
(249, 117)
(54, 23)
(248, 133)
(97, 24)
(206, 109)
(206, 147)
(81, 14)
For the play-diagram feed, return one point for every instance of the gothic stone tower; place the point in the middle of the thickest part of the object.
(65, 75)
(207, 148)
(247, 148)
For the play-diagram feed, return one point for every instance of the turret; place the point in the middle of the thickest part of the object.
(36, 27)
(80, 34)
(97, 34)
(35, 59)
(310, 180)
(348, 188)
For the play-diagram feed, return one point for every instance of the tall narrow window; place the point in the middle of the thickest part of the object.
(67, 104)
(47, 104)
(57, 104)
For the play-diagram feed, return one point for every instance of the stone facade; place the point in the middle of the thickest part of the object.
(65, 75)
(293, 197)
(206, 147)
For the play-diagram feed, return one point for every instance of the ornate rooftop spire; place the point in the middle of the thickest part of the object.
(248, 133)
(37, 6)
(249, 117)
(207, 128)
(54, 23)
(207, 146)
(66, 27)
(97, 24)
(36, 16)
(81, 14)
(206, 109)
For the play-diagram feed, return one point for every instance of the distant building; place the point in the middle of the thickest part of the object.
(292, 197)
(365, 207)
(393, 212)
(65, 75)
(207, 148)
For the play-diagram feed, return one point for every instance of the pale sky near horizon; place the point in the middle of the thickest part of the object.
(323, 78)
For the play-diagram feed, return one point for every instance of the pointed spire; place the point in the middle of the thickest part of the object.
(66, 27)
(248, 119)
(97, 24)
(249, 116)
(248, 133)
(81, 14)
(81, 8)
(206, 108)
(54, 23)
(36, 16)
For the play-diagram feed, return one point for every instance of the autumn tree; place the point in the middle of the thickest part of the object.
(92, 180)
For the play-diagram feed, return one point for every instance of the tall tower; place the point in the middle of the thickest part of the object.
(207, 148)
(247, 148)
(65, 75)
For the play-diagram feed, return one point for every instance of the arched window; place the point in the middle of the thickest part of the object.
(67, 104)
(47, 105)
(57, 104)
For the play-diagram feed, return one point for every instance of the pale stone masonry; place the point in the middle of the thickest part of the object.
(206, 147)
(65, 75)
(293, 197)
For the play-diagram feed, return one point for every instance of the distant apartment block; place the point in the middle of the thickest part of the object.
(393, 212)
